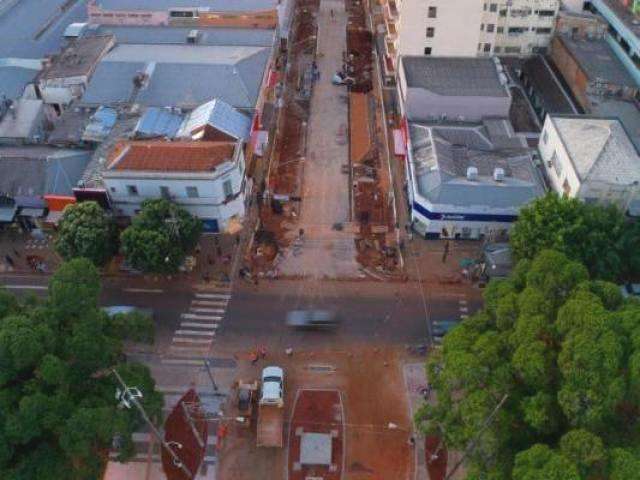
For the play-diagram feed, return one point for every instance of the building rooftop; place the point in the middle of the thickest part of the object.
(442, 155)
(219, 115)
(36, 171)
(79, 58)
(544, 82)
(175, 73)
(599, 148)
(598, 60)
(158, 122)
(14, 79)
(211, 5)
(210, 36)
(23, 121)
(170, 156)
(451, 76)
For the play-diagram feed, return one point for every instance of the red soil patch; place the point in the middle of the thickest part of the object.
(316, 411)
(436, 458)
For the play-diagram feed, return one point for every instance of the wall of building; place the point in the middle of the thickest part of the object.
(423, 105)
(210, 203)
(456, 27)
(565, 181)
(581, 25)
(575, 77)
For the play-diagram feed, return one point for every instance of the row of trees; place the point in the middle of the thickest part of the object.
(58, 412)
(157, 240)
(565, 351)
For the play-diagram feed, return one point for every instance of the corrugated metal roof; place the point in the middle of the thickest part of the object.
(158, 122)
(233, 74)
(221, 116)
(213, 5)
(146, 35)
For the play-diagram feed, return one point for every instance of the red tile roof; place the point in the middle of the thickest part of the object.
(161, 156)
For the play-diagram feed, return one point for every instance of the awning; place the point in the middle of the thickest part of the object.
(399, 148)
(32, 212)
(7, 214)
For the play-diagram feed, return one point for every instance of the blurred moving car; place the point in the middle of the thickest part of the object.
(312, 319)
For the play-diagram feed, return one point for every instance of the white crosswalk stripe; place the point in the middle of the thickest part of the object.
(197, 333)
(199, 324)
(196, 316)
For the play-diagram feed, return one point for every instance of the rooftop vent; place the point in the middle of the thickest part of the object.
(498, 174)
(472, 173)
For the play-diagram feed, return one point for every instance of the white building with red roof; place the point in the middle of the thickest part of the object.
(206, 178)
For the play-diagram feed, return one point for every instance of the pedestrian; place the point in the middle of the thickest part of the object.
(254, 358)
(215, 240)
(412, 441)
(237, 239)
(9, 260)
(210, 260)
(263, 352)
(332, 13)
(17, 254)
(445, 254)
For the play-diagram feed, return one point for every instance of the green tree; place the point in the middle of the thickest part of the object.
(160, 237)
(58, 412)
(566, 352)
(86, 231)
(595, 235)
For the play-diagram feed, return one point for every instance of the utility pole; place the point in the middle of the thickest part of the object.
(472, 444)
(192, 424)
(131, 395)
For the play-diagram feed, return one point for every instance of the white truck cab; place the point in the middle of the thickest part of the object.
(272, 386)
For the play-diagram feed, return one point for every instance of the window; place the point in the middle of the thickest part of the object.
(490, 27)
(493, 7)
(546, 13)
(543, 31)
(500, 29)
(517, 30)
(165, 192)
(430, 32)
(228, 189)
(482, 27)
(433, 12)
(192, 192)
(132, 190)
(497, 49)
(512, 49)
(503, 12)
(181, 14)
(487, 48)
(555, 163)
(427, 50)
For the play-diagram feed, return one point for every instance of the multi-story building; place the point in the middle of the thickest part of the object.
(464, 28)
(206, 178)
(590, 158)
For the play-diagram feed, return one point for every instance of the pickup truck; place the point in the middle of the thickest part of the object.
(271, 408)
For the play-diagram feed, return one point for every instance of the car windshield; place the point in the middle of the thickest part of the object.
(271, 379)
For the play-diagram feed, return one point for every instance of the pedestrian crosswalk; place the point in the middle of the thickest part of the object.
(199, 325)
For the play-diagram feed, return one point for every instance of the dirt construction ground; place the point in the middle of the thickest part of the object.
(371, 384)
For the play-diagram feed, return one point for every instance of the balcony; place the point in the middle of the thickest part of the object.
(389, 66)
(390, 48)
(391, 10)
(392, 29)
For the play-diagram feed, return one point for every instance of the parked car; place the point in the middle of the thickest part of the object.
(272, 386)
(125, 309)
(312, 319)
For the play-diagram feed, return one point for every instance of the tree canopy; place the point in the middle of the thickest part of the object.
(160, 237)
(597, 236)
(58, 413)
(566, 351)
(86, 231)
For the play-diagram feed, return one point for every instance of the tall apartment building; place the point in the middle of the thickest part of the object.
(463, 28)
